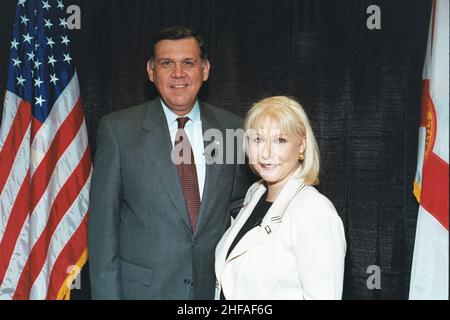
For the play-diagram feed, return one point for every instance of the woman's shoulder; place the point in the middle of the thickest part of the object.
(311, 201)
(311, 194)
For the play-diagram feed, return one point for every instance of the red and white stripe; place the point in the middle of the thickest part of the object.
(44, 196)
(429, 274)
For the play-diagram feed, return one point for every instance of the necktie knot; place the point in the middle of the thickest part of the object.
(182, 122)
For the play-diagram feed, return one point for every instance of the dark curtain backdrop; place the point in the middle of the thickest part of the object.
(361, 89)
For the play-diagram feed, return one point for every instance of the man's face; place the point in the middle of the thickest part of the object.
(178, 73)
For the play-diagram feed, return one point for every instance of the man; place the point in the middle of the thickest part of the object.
(155, 220)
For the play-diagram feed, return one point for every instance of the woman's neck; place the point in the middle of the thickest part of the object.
(274, 189)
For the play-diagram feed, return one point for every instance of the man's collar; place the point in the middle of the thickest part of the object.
(171, 117)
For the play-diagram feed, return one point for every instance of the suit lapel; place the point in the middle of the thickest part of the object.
(212, 170)
(157, 142)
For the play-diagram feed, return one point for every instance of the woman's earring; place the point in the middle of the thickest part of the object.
(301, 156)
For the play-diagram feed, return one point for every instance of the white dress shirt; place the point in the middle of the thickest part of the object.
(194, 132)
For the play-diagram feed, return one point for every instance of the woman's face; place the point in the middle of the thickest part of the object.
(273, 153)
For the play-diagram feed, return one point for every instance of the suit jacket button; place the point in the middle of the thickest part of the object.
(187, 281)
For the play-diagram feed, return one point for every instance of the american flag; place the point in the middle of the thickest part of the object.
(45, 161)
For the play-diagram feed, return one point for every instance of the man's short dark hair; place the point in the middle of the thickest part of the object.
(178, 33)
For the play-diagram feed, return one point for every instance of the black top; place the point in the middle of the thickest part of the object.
(253, 221)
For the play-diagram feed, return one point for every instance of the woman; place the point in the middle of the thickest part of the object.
(287, 242)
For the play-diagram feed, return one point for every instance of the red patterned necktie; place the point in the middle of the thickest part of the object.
(187, 172)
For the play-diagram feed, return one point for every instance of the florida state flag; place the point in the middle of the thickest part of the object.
(429, 274)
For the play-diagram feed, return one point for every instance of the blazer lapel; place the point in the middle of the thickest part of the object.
(256, 192)
(276, 212)
(271, 221)
(157, 142)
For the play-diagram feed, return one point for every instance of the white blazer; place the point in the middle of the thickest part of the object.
(298, 252)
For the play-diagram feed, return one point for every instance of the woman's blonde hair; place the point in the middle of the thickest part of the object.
(291, 118)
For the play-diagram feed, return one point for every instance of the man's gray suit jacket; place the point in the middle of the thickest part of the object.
(140, 241)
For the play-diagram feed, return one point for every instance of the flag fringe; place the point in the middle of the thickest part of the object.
(417, 191)
(64, 291)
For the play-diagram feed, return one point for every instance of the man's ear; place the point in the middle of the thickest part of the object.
(150, 71)
(206, 68)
